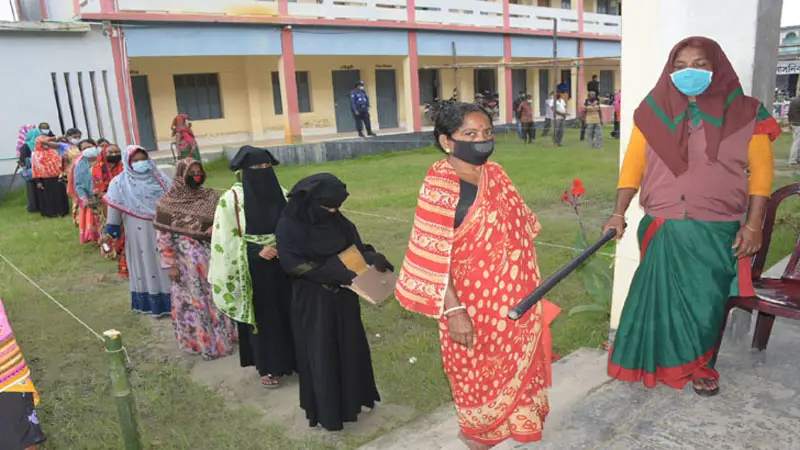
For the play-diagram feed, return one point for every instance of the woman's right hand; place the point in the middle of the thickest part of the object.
(616, 222)
(461, 328)
(104, 239)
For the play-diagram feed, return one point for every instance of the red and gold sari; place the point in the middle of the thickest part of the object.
(102, 174)
(499, 386)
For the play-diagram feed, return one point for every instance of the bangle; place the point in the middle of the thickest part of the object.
(454, 309)
(618, 215)
(750, 228)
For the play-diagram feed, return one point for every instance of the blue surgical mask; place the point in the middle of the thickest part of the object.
(692, 82)
(141, 166)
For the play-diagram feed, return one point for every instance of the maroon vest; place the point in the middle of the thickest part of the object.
(709, 191)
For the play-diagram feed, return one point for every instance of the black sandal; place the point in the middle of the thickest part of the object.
(706, 392)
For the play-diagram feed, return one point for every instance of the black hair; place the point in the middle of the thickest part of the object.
(450, 118)
(594, 76)
(87, 141)
(102, 141)
(72, 132)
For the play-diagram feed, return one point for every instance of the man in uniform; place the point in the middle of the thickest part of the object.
(359, 104)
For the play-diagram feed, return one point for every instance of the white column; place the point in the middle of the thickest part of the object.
(748, 32)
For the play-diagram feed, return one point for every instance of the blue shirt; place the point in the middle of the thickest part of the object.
(359, 100)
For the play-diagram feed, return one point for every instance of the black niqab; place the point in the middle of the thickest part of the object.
(325, 233)
(263, 196)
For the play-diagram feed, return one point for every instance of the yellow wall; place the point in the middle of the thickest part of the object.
(233, 91)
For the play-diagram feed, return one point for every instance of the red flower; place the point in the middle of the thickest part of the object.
(577, 188)
(565, 196)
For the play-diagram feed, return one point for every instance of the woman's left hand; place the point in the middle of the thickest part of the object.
(748, 241)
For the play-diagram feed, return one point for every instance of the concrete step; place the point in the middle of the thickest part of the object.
(574, 377)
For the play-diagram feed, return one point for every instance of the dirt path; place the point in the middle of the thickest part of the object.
(242, 387)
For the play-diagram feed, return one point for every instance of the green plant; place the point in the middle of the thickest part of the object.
(596, 273)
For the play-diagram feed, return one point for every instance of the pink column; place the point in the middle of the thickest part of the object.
(293, 128)
(581, 91)
(506, 15)
(43, 6)
(508, 100)
(580, 16)
(411, 8)
(107, 6)
(283, 8)
(121, 74)
(413, 68)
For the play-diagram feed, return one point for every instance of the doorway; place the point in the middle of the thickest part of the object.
(544, 90)
(519, 81)
(606, 82)
(144, 112)
(485, 81)
(386, 91)
(343, 83)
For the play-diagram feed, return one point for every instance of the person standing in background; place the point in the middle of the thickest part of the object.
(517, 102)
(593, 120)
(359, 105)
(25, 145)
(184, 138)
(617, 114)
(47, 167)
(794, 121)
(548, 114)
(559, 115)
(109, 165)
(593, 86)
(525, 114)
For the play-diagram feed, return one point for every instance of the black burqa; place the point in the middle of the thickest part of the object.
(269, 345)
(333, 355)
(33, 199)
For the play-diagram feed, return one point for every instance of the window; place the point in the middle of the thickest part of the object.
(428, 85)
(567, 4)
(198, 96)
(303, 92)
(611, 7)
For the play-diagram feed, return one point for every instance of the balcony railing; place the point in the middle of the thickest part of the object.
(481, 13)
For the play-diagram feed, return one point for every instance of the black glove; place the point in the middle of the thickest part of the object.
(378, 261)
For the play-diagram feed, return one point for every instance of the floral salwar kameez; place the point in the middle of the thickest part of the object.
(500, 385)
(199, 326)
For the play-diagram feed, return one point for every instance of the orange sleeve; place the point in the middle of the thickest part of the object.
(630, 177)
(761, 162)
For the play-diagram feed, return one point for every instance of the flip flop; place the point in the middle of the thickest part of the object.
(270, 382)
(706, 392)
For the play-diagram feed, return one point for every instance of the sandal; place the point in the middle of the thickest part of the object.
(704, 391)
(270, 382)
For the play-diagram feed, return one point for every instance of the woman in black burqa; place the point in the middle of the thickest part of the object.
(333, 355)
(269, 345)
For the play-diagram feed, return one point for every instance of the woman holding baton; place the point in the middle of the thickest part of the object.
(470, 260)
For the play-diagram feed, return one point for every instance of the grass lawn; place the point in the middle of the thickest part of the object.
(69, 365)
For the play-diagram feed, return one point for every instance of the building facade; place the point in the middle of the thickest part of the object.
(789, 62)
(265, 70)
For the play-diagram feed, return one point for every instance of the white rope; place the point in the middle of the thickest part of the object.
(63, 308)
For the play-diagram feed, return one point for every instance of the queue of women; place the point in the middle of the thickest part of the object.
(261, 264)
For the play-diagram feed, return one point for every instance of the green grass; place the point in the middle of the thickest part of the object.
(69, 365)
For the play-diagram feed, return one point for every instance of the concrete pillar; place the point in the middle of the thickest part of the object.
(746, 30)
(256, 76)
(411, 85)
(286, 73)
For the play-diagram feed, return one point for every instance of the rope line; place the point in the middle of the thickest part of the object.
(59, 304)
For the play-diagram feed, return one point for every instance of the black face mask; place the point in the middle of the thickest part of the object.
(475, 153)
(195, 181)
(114, 158)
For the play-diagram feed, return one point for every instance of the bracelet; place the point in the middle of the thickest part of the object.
(454, 309)
(750, 228)
(618, 215)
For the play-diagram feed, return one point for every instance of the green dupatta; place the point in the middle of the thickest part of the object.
(229, 273)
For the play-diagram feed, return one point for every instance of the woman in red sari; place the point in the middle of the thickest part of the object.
(470, 259)
(108, 166)
(184, 138)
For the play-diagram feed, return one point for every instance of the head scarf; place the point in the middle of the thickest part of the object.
(325, 233)
(263, 195)
(103, 172)
(185, 210)
(30, 138)
(663, 115)
(81, 179)
(22, 139)
(45, 161)
(180, 124)
(136, 193)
